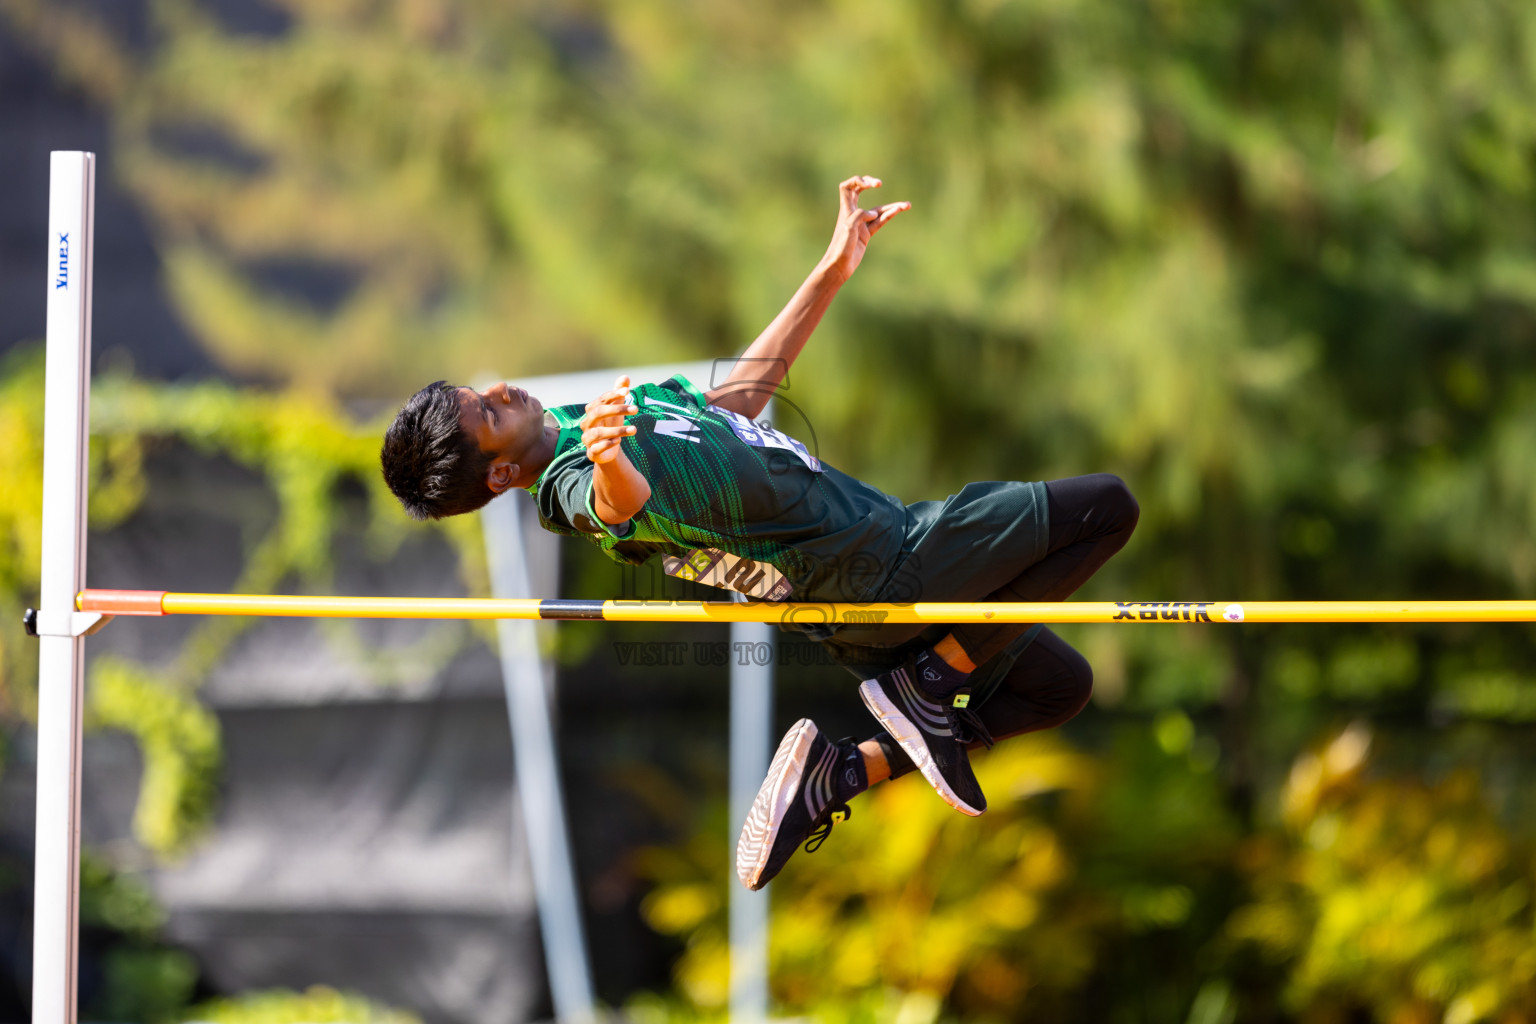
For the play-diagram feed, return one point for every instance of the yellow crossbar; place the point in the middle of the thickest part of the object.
(153, 602)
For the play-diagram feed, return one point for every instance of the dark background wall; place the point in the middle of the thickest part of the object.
(38, 114)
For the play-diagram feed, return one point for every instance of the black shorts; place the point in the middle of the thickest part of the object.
(961, 549)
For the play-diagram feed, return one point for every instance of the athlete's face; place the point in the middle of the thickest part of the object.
(506, 422)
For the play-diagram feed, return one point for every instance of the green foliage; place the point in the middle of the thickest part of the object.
(306, 450)
(911, 909)
(301, 445)
(179, 739)
(870, 1008)
(317, 1005)
(145, 981)
(1271, 266)
(1386, 897)
(1404, 899)
(150, 985)
(115, 900)
(1270, 263)
(117, 487)
(1178, 241)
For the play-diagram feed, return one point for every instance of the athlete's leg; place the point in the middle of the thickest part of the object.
(982, 550)
(806, 792)
(811, 782)
(991, 541)
(877, 763)
(1048, 685)
(1091, 518)
(924, 702)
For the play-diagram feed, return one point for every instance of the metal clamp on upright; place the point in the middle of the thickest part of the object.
(69, 623)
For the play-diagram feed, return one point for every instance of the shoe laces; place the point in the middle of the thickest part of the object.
(816, 838)
(966, 723)
(836, 812)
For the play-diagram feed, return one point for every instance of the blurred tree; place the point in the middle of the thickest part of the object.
(310, 454)
(1275, 268)
(1391, 897)
(127, 973)
(303, 446)
(1025, 911)
(317, 1005)
(117, 487)
(1271, 263)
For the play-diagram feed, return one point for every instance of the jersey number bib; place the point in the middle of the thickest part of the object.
(758, 436)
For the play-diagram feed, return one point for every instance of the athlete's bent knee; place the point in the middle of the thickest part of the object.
(1080, 688)
(1069, 693)
(1124, 510)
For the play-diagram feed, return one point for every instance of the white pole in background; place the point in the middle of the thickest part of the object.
(60, 677)
(530, 704)
(537, 767)
(751, 747)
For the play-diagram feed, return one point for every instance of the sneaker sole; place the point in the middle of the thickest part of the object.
(909, 736)
(772, 803)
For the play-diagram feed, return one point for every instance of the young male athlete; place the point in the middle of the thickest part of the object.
(670, 470)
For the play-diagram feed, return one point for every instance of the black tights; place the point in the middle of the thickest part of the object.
(1091, 518)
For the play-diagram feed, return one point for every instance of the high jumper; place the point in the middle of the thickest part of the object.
(673, 471)
(861, 568)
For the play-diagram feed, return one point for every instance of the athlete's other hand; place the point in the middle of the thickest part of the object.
(855, 225)
(603, 427)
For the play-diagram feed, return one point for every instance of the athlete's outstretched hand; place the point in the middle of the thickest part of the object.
(855, 225)
(603, 427)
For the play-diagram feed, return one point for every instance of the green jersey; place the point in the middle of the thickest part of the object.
(733, 502)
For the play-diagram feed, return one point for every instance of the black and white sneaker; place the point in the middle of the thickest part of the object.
(797, 803)
(933, 731)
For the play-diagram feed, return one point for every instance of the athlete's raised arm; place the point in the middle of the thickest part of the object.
(762, 366)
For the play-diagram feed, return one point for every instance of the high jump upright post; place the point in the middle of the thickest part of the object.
(61, 648)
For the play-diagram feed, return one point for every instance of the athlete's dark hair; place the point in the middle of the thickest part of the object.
(430, 464)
